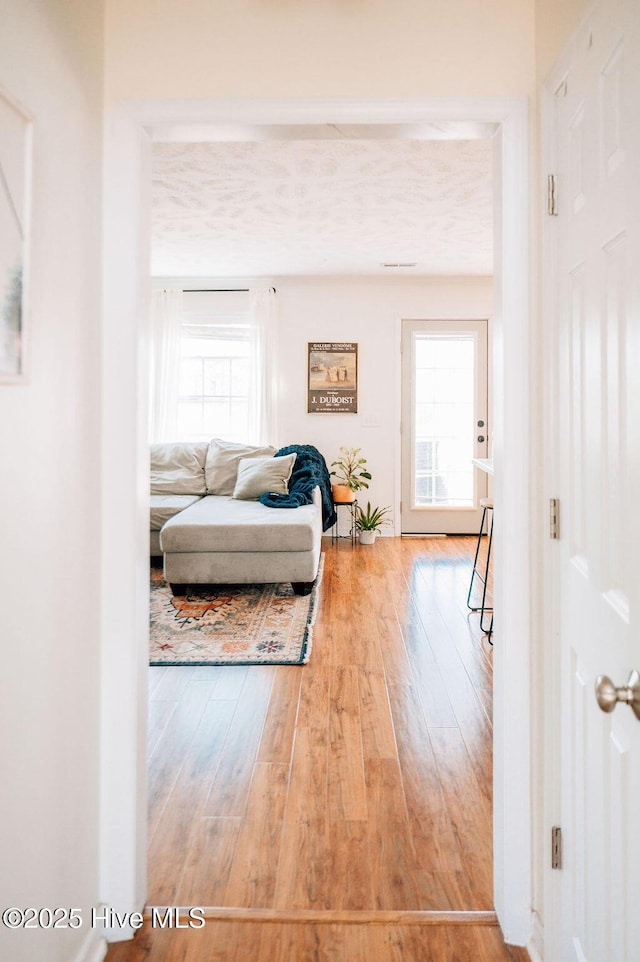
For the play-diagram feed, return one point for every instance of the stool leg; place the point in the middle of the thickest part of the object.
(488, 631)
(474, 572)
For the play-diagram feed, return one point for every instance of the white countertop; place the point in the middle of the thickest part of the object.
(485, 464)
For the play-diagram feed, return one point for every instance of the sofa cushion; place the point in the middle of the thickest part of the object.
(179, 468)
(259, 475)
(221, 466)
(165, 506)
(223, 524)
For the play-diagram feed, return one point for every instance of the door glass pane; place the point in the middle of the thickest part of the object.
(443, 418)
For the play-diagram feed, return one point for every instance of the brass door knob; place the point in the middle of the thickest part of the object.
(608, 695)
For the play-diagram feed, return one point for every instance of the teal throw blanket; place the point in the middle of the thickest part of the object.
(310, 470)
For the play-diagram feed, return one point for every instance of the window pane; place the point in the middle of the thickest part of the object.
(444, 403)
(425, 419)
(455, 352)
(426, 351)
(189, 420)
(425, 386)
(190, 376)
(240, 376)
(451, 384)
(216, 420)
(214, 381)
(238, 419)
(217, 377)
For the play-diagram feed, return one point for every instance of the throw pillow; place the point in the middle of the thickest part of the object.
(178, 468)
(221, 468)
(258, 475)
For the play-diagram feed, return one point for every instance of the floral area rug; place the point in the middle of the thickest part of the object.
(231, 624)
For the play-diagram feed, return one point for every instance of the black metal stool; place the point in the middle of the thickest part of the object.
(487, 505)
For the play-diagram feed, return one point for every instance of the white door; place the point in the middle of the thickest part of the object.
(444, 425)
(597, 124)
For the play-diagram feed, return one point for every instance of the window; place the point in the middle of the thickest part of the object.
(213, 370)
(444, 405)
(214, 375)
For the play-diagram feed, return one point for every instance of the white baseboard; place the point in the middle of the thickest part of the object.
(93, 949)
(120, 933)
(118, 925)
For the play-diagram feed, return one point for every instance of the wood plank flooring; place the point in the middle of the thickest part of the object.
(288, 942)
(351, 788)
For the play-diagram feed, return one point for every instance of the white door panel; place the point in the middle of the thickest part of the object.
(597, 127)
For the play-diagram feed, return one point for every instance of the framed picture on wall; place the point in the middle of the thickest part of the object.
(332, 369)
(15, 167)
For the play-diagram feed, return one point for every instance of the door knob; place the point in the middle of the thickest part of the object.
(608, 695)
(481, 438)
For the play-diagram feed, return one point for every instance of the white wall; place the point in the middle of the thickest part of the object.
(554, 23)
(51, 60)
(367, 310)
(311, 48)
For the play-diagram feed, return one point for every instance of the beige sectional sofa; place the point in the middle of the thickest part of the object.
(209, 526)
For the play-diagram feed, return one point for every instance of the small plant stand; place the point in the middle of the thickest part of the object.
(351, 505)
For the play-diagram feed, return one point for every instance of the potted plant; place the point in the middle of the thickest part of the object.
(350, 475)
(368, 521)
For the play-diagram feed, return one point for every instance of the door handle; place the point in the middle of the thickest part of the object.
(608, 695)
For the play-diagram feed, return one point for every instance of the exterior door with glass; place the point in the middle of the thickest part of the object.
(444, 425)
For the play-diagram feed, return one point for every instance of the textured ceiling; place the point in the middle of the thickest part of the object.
(278, 207)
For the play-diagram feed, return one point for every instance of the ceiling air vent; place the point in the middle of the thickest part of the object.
(402, 264)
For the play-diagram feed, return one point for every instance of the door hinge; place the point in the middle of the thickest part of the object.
(554, 518)
(556, 847)
(552, 209)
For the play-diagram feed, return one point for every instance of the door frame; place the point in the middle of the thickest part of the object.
(408, 425)
(546, 682)
(124, 473)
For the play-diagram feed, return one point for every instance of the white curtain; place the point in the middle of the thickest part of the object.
(166, 318)
(263, 315)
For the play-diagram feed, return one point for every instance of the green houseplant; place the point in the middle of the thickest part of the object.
(368, 522)
(350, 474)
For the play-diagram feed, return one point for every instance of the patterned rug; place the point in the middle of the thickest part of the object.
(231, 624)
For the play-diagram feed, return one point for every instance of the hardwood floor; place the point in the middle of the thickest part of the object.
(274, 942)
(340, 802)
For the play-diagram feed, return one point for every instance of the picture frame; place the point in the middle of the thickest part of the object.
(15, 197)
(332, 377)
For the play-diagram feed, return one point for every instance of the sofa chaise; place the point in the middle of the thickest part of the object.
(211, 528)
